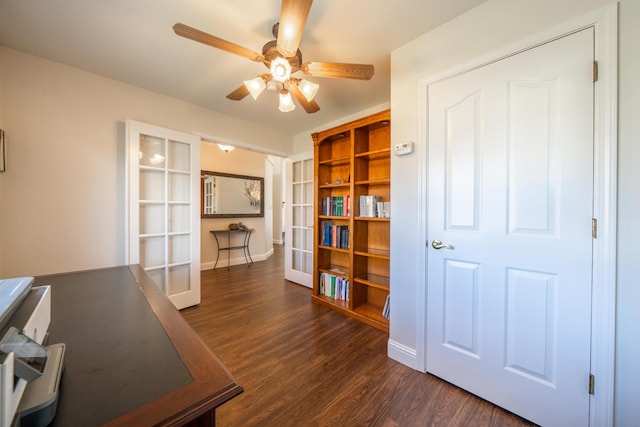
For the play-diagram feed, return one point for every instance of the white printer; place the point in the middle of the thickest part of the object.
(29, 372)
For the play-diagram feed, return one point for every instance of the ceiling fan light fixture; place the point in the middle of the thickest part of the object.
(225, 148)
(308, 89)
(286, 102)
(280, 69)
(255, 86)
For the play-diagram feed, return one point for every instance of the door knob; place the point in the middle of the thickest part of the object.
(437, 244)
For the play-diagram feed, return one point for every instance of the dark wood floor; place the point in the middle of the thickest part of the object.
(302, 364)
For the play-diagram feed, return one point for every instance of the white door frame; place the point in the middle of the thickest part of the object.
(605, 22)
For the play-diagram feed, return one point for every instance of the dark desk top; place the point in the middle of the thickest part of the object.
(131, 359)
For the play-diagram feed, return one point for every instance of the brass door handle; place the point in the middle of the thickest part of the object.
(437, 244)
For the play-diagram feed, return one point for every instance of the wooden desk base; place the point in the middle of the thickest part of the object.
(131, 358)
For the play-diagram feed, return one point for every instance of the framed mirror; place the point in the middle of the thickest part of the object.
(225, 195)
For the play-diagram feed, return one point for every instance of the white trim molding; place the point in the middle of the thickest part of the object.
(403, 354)
(236, 260)
(603, 328)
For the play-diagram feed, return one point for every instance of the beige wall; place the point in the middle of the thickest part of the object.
(63, 196)
(494, 25)
(278, 199)
(239, 162)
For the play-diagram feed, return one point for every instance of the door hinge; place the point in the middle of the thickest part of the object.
(594, 228)
(595, 71)
(592, 383)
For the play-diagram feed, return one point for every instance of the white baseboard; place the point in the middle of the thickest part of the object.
(236, 260)
(278, 242)
(403, 354)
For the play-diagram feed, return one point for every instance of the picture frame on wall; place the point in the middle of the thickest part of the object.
(3, 158)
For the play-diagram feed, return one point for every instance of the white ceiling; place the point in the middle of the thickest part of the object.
(132, 41)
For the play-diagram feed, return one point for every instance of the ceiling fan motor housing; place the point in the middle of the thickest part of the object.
(270, 52)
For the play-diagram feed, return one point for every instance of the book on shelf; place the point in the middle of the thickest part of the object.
(374, 207)
(386, 311)
(336, 206)
(334, 287)
(335, 236)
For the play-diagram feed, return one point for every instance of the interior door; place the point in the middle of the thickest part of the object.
(164, 209)
(299, 220)
(509, 226)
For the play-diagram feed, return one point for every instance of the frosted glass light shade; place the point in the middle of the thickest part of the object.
(286, 102)
(225, 148)
(308, 89)
(255, 86)
(280, 69)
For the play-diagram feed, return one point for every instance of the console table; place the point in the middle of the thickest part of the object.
(245, 235)
(131, 358)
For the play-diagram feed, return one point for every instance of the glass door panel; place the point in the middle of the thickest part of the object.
(299, 220)
(164, 226)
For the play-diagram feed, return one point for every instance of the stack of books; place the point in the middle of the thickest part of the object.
(335, 206)
(334, 287)
(335, 236)
(374, 207)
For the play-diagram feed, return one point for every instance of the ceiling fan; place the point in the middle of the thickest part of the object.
(283, 58)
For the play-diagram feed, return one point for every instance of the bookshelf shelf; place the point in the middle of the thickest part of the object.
(373, 253)
(335, 162)
(374, 182)
(370, 218)
(375, 154)
(331, 248)
(345, 185)
(352, 167)
(373, 280)
(338, 270)
(335, 304)
(373, 313)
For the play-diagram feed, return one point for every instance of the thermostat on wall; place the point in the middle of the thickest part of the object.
(403, 148)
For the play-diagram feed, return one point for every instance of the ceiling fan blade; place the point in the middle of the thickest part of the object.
(239, 93)
(205, 38)
(337, 70)
(309, 106)
(293, 17)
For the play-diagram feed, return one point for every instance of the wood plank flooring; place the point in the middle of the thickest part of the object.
(302, 364)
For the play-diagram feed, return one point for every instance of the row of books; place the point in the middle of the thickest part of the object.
(374, 207)
(386, 311)
(336, 206)
(334, 287)
(335, 236)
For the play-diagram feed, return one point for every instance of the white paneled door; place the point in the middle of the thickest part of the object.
(299, 220)
(510, 198)
(164, 209)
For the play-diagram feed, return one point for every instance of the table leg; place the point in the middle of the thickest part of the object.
(218, 251)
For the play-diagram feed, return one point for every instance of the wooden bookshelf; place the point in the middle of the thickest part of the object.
(351, 161)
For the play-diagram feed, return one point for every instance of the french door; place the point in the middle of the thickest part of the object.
(164, 209)
(299, 220)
